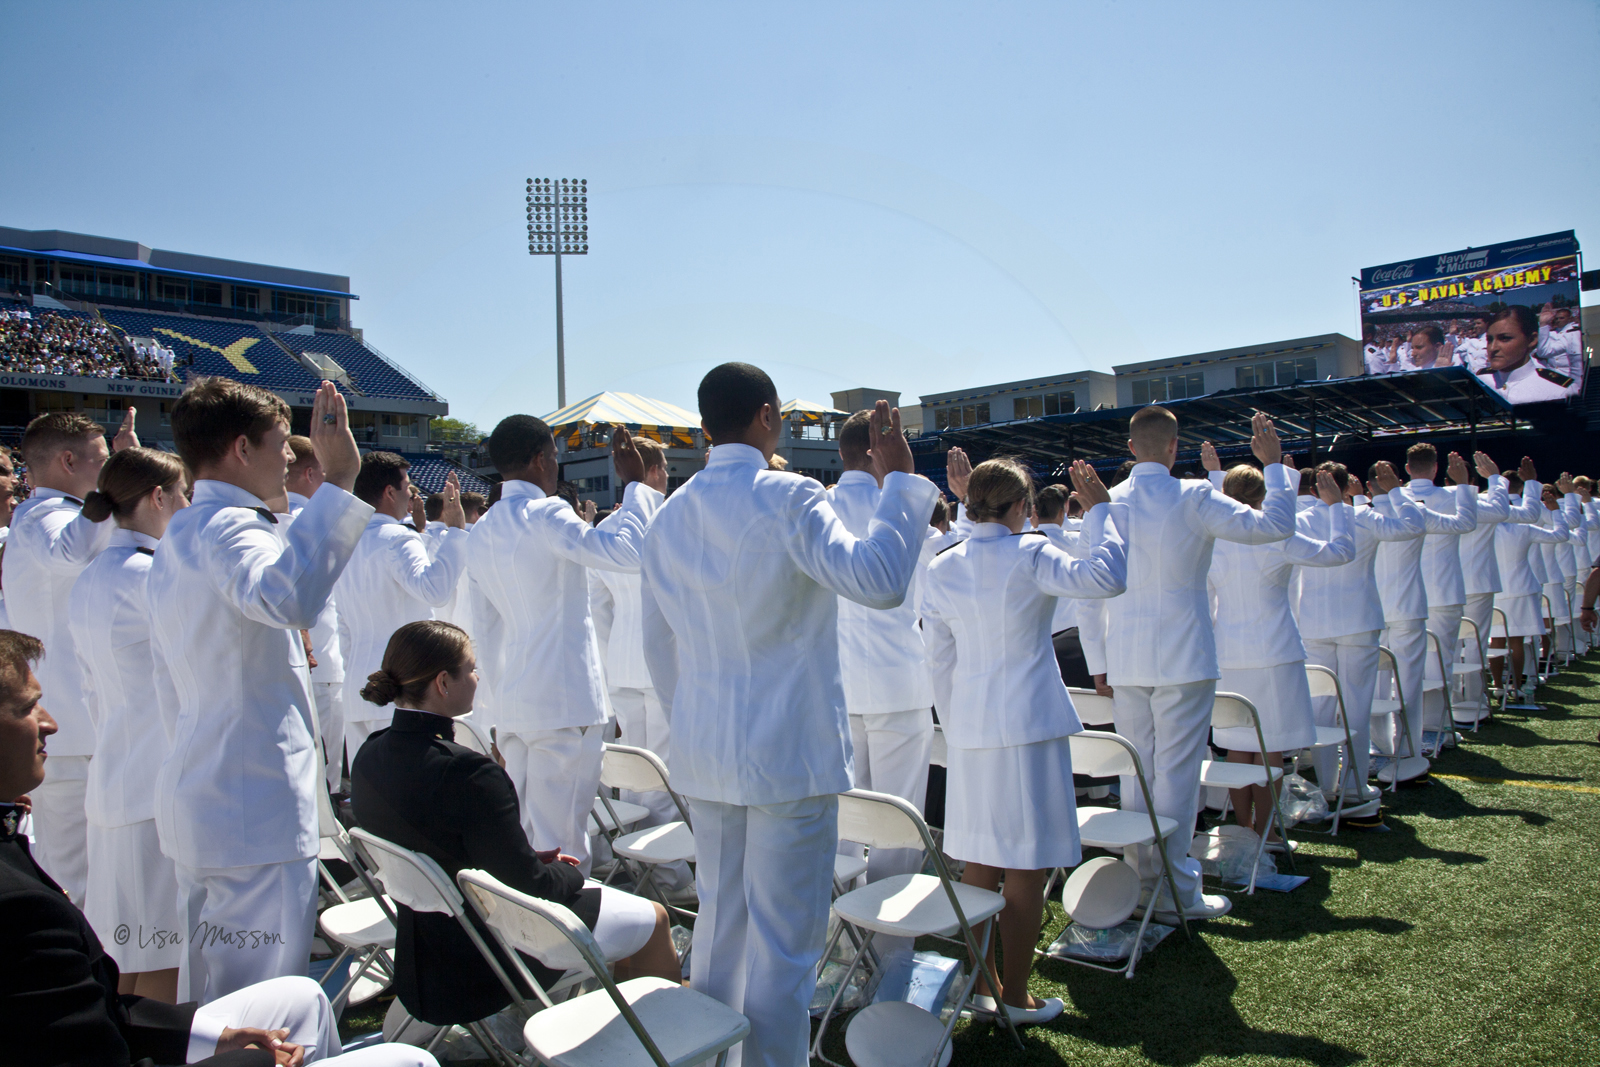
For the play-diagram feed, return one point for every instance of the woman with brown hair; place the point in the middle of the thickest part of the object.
(1010, 807)
(132, 888)
(411, 784)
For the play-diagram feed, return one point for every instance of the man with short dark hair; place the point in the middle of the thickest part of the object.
(392, 579)
(527, 558)
(236, 803)
(327, 656)
(743, 568)
(49, 545)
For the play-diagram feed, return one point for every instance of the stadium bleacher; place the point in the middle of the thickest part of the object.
(372, 374)
(428, 473)
(214, 346)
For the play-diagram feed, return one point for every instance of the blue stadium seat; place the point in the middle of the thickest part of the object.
(235, 350)
(428, 473)
(372, 374)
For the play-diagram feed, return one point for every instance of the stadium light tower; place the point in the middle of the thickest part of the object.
(558, 225)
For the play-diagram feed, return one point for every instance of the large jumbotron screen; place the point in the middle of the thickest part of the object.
(1508, 312)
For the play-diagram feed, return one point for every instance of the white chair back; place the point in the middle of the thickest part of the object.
(1098, 754)
(1472, 642)
(1230, 711)
(1321, 681)
(1093, 709)
(939, 754)
(543, 929)
(469, 736)
(409, 878)
(638, 769)
(879, 820)
(328, 824)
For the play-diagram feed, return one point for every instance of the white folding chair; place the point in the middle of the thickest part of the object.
(1549, 668)
(1101, 754)
(637, 1023)
(469, 735)
(1093, 709)
(639, 769)
(1411, 765)
(1324, 682)
(1501, 678)
(1230, 711)
(415, 880)
(362, 924)
(1442, 686)
(905, 905)
(1472, 659)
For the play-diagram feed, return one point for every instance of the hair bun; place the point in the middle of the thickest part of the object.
(98, 506)
(381, 688)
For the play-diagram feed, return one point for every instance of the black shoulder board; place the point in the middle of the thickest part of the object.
(1486, 370)
(1555, 376)
(267, 514)
(146, 551)
(947, 548)
(1025, 533)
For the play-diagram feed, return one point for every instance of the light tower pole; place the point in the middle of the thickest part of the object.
(558, 225)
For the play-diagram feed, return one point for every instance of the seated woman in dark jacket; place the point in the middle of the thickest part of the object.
(411, 784)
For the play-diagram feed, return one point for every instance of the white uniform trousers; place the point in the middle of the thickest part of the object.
(1444, 620)
(1585, 639)
(61, 825)
(1354, 658)
(330, 726)
(1408, 640)
(244, 925)
(892, 750)
(557, 775)
(296, 1004)
(1168, 725)
(765, 878)
(356, 732)
(644, 725)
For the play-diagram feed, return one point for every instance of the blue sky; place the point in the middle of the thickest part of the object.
(912, 196)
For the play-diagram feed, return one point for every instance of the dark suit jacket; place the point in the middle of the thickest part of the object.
(58, 989)
(413, 785)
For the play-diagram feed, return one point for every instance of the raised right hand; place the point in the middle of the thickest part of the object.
(1264, 440)
(957, 469)
(1208, 456)
(331, 440)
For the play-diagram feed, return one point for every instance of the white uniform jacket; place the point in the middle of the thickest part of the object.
(1566, 559)
(1066, 537)
(883, 662)
(1480, 567)
(49, 544)
(1339, 601)
(1159, 631)
(1517, 545)
(111, 633)
(1400, 568)
(614, 604)
(527, 556)
(1448, 512)
(1592, 511)
(228, 591)
(990, 603)
(390, 581)
(743, 568)
(325, 642)
(1249, 589)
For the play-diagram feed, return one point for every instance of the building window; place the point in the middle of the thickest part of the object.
(320, 309)
(246, 299)
(600, 483)
(118, 285)
(13, 272)
(1278, 372)
(78, 280)
(675, 482)
(44, 403)
(1033, 407)
(399, 426)
(959, 415)
(207, 293)
(826, 477)
(1169, 387)
(172, 290)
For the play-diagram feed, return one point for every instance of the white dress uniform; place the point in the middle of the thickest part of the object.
(327, 678)
(1161, 651)
(132, 886)
(614, 605)
(1528, 383)
(49, 544)
(455, 609)
(743, 568)
(1516, 548)
(1006, 714)
(527, 556)
(389, 581)
(236, 796)
(1561, 350)
(1422, 589)
(1259, 651)
(1340, 615)
(888, 686)
(1480, 575)
(5, 618)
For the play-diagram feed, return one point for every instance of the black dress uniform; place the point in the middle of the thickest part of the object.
(413, 785)
(58, 989)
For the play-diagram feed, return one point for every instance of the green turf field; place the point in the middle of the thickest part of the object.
(1468, 935)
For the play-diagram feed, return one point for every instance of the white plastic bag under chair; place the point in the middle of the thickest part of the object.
(1302, 801)
(1228, 852)
(1106, 946)
(1101, 892)
(925, 979)
(413, 1032)
(682, 943)
(828, 985)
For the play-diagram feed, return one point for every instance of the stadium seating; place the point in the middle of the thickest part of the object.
(372, 374)
(213, 346)
(428, 473)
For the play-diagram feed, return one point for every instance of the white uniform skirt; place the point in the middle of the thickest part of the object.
(1282, 699)
(1524, 615)
(132, 898)
(1557, 593)
(1012, 807)
(624, 925)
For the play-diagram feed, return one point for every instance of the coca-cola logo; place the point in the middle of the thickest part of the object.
(1394, 274)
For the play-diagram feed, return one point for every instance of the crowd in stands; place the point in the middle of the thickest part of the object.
(37, 341)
